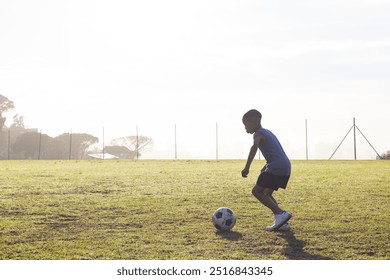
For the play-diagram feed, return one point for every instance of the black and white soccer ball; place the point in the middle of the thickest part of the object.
(224, 219)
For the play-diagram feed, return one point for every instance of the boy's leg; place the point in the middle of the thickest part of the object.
(286, 226)
(264, 195)
(269, 192)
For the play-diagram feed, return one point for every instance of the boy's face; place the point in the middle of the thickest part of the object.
(250, 125)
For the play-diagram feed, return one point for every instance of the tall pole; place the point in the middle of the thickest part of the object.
(307, 149)
(175, 143)
(354, 127)
(354, 138)
(137, 142)
(40, 142)
(216, 141)
(9, 143)
(70, 145)
(103, 142)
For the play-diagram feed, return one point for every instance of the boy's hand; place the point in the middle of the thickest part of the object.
(245, 172)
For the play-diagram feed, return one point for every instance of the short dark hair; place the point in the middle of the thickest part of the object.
(251, 114)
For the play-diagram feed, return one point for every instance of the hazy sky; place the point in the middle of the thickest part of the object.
(86, 64)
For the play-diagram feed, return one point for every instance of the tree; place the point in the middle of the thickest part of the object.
(26, 146)
(384, 156)
(134, 143)
(5, 106)
(3, 144)
(35, 145)
(51, 148)
(77, 143)
(18, 122)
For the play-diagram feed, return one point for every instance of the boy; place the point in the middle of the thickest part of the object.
(274, 175)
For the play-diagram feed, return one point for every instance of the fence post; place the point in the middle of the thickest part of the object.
(307, 149)
(9, 143)
(70, 145)
(40, 143)
(103, 143)
(137, 143)
(175, 143)
(216, 141)
(354, 138)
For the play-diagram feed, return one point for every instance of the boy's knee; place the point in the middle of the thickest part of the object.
(256, 191)
(268, 191)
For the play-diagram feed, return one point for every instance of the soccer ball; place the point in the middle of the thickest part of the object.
(224, 219)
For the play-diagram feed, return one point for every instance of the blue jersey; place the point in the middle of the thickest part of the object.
(277, 160)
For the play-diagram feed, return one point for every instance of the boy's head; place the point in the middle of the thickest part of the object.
(252, 121)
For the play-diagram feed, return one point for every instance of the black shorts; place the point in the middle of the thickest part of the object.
(270, 181)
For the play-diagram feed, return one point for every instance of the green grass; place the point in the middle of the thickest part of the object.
(162, 210)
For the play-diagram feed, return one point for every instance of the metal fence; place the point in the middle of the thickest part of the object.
(301, 139)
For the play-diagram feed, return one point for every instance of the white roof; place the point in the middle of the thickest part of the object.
(102, 156)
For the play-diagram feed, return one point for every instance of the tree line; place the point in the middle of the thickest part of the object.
(21, 143)
(35, 145)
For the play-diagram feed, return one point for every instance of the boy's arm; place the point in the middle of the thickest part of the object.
(251, 156)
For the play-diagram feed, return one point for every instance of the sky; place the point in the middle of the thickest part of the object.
(84, 65)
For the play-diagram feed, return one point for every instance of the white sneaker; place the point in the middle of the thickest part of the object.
(280, 220)
(285, 227)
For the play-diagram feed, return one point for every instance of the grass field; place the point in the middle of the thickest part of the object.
(162, 210)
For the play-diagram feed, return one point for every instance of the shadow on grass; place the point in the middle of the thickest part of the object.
(295, 249)
(230, 235)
